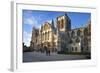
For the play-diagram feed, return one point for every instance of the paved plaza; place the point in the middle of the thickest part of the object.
(38, 57)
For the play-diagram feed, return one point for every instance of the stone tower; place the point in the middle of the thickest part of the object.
(63, 26)
(34, 38)
(63, 23)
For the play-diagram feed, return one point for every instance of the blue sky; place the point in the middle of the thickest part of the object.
(37, 18)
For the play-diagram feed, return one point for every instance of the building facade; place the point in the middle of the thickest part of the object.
(60, 36)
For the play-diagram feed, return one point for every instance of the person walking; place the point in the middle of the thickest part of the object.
(46, 50)
(49, 51)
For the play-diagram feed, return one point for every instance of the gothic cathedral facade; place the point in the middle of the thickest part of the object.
(60, 36)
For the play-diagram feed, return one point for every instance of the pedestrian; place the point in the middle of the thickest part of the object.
(49, 51)
(46, 50)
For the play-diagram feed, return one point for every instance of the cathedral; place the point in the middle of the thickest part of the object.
(61, 37)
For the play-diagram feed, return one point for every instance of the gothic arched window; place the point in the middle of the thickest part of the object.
(79, 33)
(58, 25)
(85, 41)
(70, 41)
(77, 40)
(72, 33)
(62, 24)
(85, 31)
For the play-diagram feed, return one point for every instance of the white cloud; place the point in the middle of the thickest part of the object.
(27, 38)
(31, 21)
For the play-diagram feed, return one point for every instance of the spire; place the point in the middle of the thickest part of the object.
(52, 23)
(65, 14)
(33, 28)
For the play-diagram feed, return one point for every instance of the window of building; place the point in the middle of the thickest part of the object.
(62, 24)
(48, 35)
(77, 40)
(58, 24)
(68, 34)
(85, 41)
(70, 41)
(82, 48)
(78, 33)
(87, 48)
(72, 49)
(36, 40)
(75, 48)
(43, 36)
(85, 32)
(73, 34)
